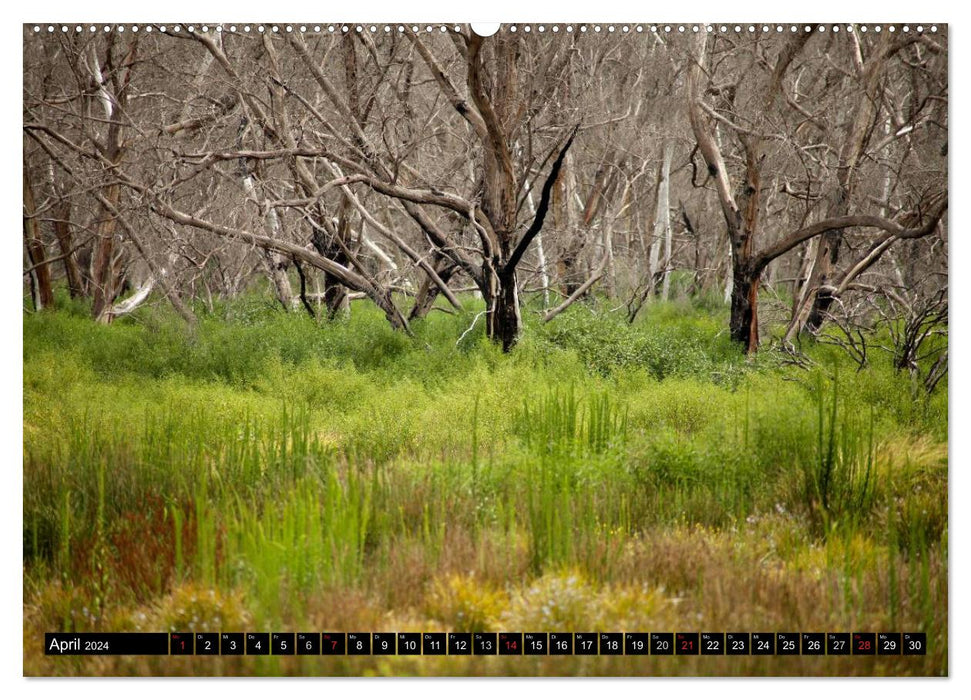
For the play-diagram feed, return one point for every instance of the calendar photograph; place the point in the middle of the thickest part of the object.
(444, 349)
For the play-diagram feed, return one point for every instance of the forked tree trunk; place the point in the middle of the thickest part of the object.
(741, 212)
(503, 322)
(501, 289)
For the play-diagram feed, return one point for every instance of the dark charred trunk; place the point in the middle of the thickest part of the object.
(503, 321)
(828, 255)
(744, 319)
(335, 297)
(817, 316)
(335, 293)
(569, 274)
(308, 307)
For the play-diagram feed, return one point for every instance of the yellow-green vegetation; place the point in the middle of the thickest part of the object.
(264, 472)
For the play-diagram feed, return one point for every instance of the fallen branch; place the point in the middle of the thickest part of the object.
(128, 305)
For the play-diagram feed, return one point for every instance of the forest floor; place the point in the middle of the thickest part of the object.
(269, 473)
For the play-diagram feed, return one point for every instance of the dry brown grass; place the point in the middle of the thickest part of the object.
(686, 579)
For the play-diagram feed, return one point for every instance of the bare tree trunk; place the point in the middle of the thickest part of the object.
(104, 274)
(503, 319)
(666, 279)
(156, 274)
(37, 254)
(544, 275)
(335, 293)
(500, 288)
(820, 293)
(428, 291)
(729, 279)
(800, 288)
(610, 287)
(104, 282)
(276, 269)
(274, 263)
(742, 214)
(662, 223)
(564, 219)
(62, 231)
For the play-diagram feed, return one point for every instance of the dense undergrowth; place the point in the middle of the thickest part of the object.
(267, 471)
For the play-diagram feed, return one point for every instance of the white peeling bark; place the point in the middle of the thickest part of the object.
(126, 306)
(94, 67)
(729, 277)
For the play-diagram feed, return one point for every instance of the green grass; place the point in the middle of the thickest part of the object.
(270, 471)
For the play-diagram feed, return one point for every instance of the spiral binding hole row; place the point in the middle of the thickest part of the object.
(513, 28)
